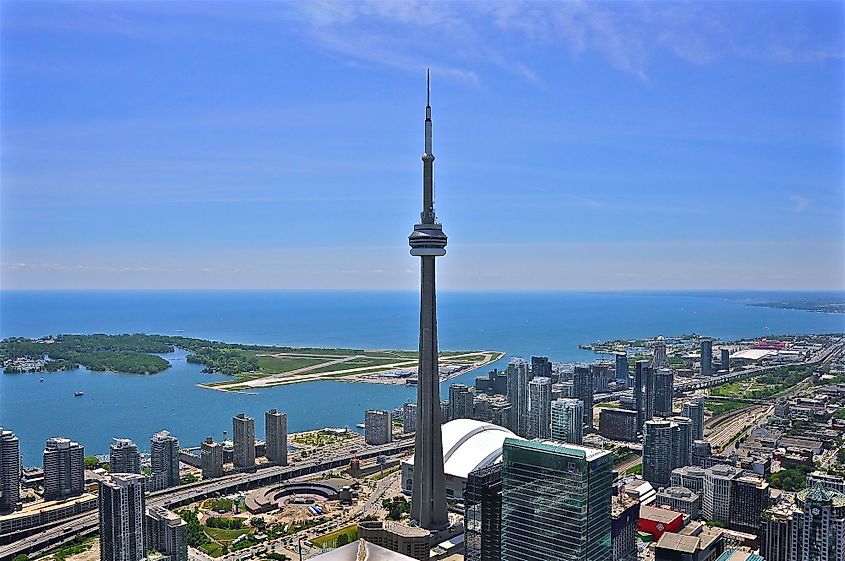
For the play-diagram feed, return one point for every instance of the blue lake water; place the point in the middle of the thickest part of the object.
(117, 405)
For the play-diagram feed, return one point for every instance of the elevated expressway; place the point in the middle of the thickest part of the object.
(37, 539)
(820, 357)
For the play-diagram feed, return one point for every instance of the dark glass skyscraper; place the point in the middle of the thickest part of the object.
(621, 369)
(540, 366)
(519, 374)
(643, 392)
(706, 357)
(555, 502)
(658, 451)
(428, 500)
(483, 514)
(582, 382)
(664, 387)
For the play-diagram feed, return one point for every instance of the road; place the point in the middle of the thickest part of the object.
(821, 356)
(725, 429)
(87, 524)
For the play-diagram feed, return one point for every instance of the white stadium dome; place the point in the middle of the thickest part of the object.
(469, 444)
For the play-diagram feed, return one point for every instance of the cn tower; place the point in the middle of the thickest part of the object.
(428, 502)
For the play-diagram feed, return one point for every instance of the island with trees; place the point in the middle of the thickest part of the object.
(249, 366)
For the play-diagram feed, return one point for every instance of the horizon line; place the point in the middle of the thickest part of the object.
(440, 291)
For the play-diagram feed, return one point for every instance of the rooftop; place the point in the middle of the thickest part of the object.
(362, 551)
(37, 506)
(820, 494)
(620, 503)
(722, 470)
(657, 514)
(690, 470)
(396, 528)
(678, 542)
(679, 493)
(564, 449)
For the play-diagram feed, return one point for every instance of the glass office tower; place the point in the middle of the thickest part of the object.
(483, 514)
(555, 502)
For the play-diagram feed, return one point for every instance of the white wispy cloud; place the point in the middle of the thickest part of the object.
(467, 35)
(460, 39)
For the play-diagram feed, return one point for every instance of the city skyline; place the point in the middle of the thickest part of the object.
(642, 356)
(693, 147)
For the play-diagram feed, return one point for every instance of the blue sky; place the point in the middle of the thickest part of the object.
(591, 146)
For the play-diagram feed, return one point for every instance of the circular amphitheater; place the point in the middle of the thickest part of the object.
(305, 492)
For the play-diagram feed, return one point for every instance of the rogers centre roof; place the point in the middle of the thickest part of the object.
(469, 444)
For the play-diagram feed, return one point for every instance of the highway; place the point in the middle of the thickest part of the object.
(821, 356)
(38, 539)
(725, 429)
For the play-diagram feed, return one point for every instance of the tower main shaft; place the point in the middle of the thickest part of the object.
(428, 502)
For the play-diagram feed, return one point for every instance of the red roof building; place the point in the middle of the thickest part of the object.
(656, 521)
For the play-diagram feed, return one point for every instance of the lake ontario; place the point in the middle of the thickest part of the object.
(520, 324)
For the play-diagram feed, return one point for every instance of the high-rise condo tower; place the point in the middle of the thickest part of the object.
(428, 502)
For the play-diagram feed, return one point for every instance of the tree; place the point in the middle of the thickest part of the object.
(196, 537)
(188, 478)
(91, 462)
(396, 507)
(342, 539)
(793, 479)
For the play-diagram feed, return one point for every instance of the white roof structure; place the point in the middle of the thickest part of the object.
(753, 354)
(469, 444)
(362, 550)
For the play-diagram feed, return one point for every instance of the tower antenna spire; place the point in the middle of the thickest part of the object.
(428, 149)
(428, 87)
